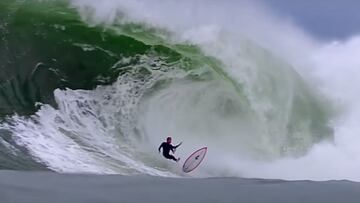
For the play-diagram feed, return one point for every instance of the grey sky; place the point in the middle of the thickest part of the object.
(330, 19)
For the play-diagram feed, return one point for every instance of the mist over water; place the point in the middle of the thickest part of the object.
(267, 99)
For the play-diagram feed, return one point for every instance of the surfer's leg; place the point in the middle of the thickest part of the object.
(168, 156)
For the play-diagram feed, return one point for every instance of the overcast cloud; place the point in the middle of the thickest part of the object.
(330, 19)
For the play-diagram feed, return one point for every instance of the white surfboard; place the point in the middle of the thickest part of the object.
(194, 160)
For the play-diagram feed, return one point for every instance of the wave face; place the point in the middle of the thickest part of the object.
(96, 88)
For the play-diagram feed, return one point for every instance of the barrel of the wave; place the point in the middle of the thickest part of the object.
(194, 160)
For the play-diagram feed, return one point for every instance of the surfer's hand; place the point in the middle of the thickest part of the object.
(179, 144)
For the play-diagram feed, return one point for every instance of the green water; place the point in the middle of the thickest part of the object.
(45, 45)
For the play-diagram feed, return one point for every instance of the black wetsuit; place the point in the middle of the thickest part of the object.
(166, 150)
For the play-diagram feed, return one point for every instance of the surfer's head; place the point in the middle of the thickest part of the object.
(168, 139)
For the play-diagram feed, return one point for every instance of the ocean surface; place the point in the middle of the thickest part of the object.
(94, 88)
(18, 187)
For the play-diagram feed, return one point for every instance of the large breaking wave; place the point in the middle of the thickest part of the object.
(89, 87)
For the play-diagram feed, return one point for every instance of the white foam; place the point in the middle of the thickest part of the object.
(332, 67)
(219, 28)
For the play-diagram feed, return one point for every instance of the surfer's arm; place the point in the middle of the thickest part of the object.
(173, 148)
(177, 145)
(161, 146)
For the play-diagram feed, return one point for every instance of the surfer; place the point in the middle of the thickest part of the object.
(166, 147)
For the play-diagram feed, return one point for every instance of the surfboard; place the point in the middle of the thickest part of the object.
(194, 160)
